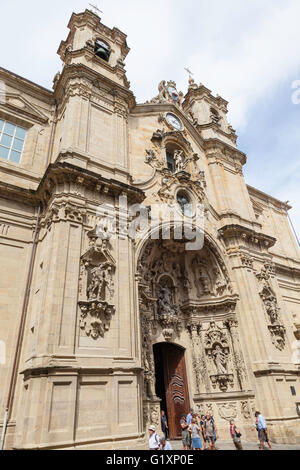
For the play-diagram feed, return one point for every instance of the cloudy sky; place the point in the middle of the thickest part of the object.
(248, 51)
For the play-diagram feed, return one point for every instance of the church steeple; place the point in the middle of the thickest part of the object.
(93, 44)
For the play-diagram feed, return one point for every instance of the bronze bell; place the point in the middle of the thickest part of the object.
(102, 52)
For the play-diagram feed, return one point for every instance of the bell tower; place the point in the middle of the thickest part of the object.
(93, 44)
(93, 98)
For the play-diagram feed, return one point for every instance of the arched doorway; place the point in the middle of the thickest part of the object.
(171, 384)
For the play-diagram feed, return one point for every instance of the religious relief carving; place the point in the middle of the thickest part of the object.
(209, 280)
(272, 310)
(228, 411)
(96, 287)
(152, 160)
(217, 351)
(245, 410)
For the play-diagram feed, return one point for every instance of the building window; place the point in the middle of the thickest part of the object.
(215, 115)
(171, 162)
(184, 203)
(12, 140)
(293, 390)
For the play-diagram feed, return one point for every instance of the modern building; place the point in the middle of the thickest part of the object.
(100, 327)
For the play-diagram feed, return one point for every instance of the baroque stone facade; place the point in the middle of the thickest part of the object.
(86, 310)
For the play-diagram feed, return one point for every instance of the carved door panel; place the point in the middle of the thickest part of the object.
(177, 395)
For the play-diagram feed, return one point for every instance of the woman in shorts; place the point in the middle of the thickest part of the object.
(196, 439)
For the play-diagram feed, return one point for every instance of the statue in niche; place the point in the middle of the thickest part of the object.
(180, 161)
(272, 309)
(177, 271)
(220, 359)
(101, 282)
(220, 283)
(202, 279)
(165, 300)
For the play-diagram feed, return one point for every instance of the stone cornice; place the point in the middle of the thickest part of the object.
(208, 397)
(27, 86)
(75, 370)
(268, 199)
(217, 128)
(216, 148)
(247, 235)
(60, 172)
(196, 92)
(275, 371)
(225, 306)
(79, 72)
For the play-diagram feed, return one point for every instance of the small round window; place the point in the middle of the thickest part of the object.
(185, 203)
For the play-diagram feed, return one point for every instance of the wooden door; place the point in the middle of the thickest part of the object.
(177, 395)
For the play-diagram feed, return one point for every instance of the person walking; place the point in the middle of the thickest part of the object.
(235, 435)
(262, 431)
(164, 424)
(195, 431)
(154, 439)
(164, 444)
(211, 432)
(186, 436)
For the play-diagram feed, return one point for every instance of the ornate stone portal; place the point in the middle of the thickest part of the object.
(187, 299)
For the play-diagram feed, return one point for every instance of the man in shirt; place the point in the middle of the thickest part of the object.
(154, 439)
(210, 432)
(262, 431)
(190, 417)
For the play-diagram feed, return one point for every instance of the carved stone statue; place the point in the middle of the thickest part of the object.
(180, 160)
(165, 301)
(220, 359)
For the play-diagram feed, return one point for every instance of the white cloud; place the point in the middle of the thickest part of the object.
(264, 54)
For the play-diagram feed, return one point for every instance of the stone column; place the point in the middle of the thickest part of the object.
(199, 363)
(232, 326)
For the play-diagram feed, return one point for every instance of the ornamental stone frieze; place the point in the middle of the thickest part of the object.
(63, 211)
(228, 411)
(96, 288)
(270, 303)
(239, 236)
(247, 261)
(170, 183)
(168, 94)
